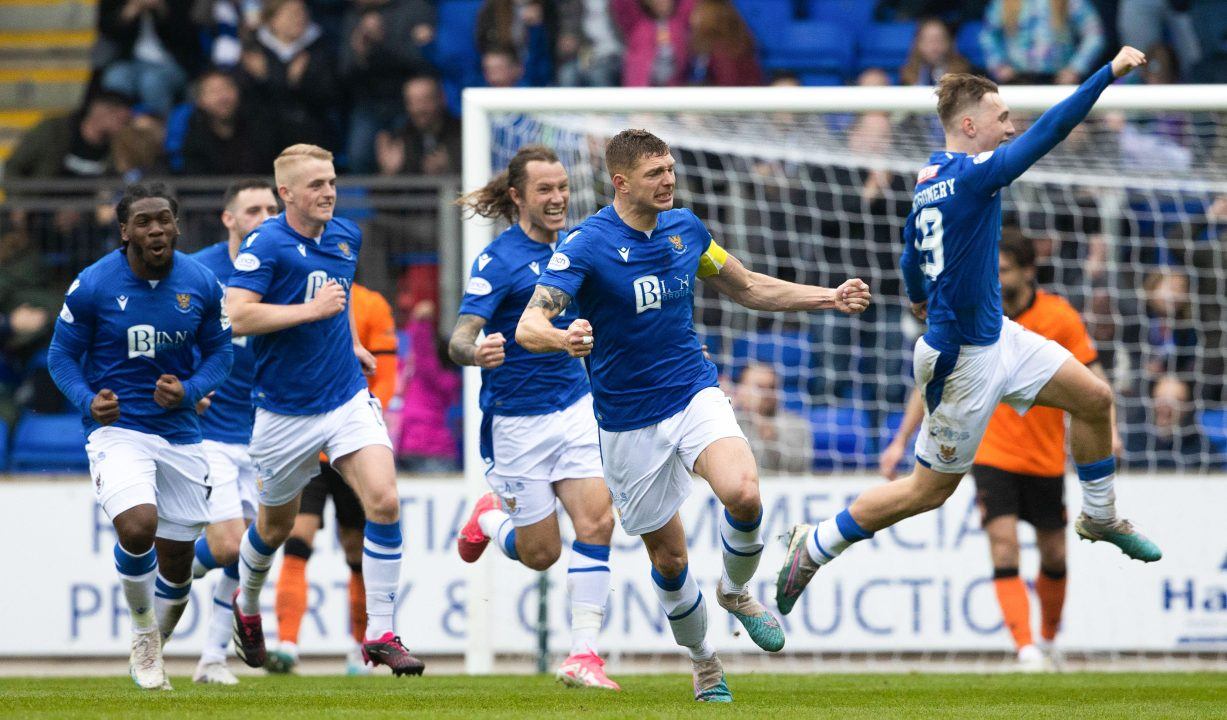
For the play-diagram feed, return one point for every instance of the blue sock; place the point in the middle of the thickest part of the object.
(506, 539)
(1097, 480)
(833, 536)
(686, 611)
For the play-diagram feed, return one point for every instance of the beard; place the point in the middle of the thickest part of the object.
(1010, 295)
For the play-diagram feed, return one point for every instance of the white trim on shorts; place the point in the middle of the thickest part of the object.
(233, 476)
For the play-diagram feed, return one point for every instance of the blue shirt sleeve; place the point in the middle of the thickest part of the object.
(488, 284)
(909, 263)
(995, 169)
(216, 350)
(74, 333)
(255, 264)
(570, 265)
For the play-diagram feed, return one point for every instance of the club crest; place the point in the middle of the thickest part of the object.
(676, 242)
(184, 301)
(344, 248)
(946, 453)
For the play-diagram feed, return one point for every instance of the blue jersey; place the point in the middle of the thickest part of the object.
(119, 332)
(636, 289)
(310, 368)
(954, 228)
(230, 416)
(501, 283)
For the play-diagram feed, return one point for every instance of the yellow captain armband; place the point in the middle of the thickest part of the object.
(712, 259)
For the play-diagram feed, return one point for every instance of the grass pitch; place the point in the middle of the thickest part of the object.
(846, 697)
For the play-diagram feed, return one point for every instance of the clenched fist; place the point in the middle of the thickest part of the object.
(329, 301)
(490, 353)
(168, 392)
(579, 339)
(105, 407)
(852, 297)
(1126, 60)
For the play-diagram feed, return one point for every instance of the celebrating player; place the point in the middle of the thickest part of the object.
(141, 339)
(659, 407)
(376, 333)
(971, 359)
(539, 435)
(290, 289)
(225, 424)
(1020, 466)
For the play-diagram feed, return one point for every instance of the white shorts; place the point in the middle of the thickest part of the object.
(530, 453)
(648, 470)
(962, 390)
(131, 468)
(233, 476)
(286, 448)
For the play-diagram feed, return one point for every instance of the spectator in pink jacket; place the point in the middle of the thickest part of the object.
(657, 37)
(432, 387)
(722, 46)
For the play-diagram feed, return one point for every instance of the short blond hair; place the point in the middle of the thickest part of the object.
(292, 156)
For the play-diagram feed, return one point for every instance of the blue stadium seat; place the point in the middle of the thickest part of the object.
(968, 42)
(48, 443)
(455, 48)
(812, 47)
(765, 18)
(4, 445)
(885, 45)
(853, 14)
(842, 438)
(354, 203)
(822, 79)
(1214, 427)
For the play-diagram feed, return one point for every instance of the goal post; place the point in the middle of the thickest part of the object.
(778, 171)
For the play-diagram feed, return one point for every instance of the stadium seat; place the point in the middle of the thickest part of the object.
(812, 47)
(48, 443)
(821, 79)
(354, 203)
(765, 18)
(884, 45)
(1214, 427)
(853, 14)
(4, 445)
(968, 43)
(842, 438)
(455, 45)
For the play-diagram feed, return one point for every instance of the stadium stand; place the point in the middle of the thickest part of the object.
(49, 443)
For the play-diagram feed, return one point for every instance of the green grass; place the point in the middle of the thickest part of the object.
(814, 697)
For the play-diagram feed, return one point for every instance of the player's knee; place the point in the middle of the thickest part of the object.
(1097, 404)
(931, 497)
(669, 563)
(226, 549)
(595, 528)
(541, 557)
(137, 528)
(382, 505)
(745, 502)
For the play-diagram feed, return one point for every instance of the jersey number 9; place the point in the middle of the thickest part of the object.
(932, 257)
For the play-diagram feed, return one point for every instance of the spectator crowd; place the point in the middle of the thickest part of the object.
(218, 87)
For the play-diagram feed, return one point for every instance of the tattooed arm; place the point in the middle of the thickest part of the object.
(464, 349)
(536, 333)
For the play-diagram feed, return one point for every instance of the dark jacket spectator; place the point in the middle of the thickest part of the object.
(722, 47)
(383, 46)
(291, 70)
(154, 47)
(220, 138)
(77, 145)
(429, 144)
(657, 36)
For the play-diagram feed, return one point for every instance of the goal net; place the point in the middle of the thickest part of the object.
(1129, 221)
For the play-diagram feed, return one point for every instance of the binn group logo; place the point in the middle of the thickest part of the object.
(145, 341)
(317, 279)
(650, 292)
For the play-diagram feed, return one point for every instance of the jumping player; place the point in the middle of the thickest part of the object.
(971, 358)
(661, 413)
(142, 337)
(1020, 466)
(225, 424)
(539, 436)
(290, 289)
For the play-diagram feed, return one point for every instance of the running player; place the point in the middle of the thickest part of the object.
(376, 333)
(225, 424)
(659, 407)
(538, 436)
(971, 359)
(290, 289)
(1020, 466)
(141, 339)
